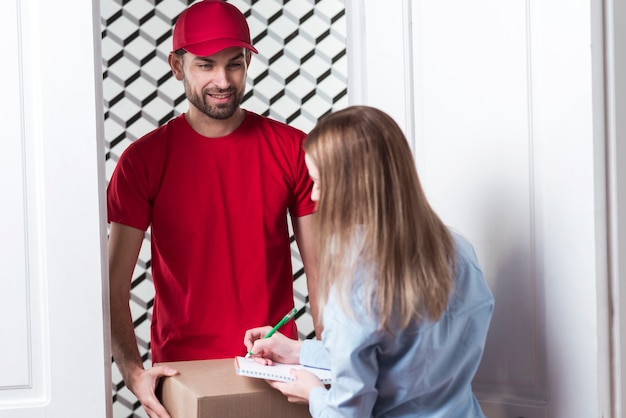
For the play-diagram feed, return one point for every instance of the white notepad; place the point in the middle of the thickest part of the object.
(277, 371)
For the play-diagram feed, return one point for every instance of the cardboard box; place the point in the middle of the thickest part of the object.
(212, 389)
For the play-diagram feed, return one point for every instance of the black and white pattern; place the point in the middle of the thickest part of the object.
(299, 75)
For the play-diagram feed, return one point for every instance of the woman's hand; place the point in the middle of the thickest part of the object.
(299, 390)
(275, 348)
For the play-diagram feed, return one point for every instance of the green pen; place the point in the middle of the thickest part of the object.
(277, 326)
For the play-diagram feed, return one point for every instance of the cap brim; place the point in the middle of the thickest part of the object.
(204, 49)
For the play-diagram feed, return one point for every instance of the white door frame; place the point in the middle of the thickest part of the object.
(615, 63)
(55, 352)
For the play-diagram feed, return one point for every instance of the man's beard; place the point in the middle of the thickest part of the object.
(224, 111)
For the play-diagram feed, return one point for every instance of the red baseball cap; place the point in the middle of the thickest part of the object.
(208, 26)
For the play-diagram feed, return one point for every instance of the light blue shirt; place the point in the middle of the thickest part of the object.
(424, 370)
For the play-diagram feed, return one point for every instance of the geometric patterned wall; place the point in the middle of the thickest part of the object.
(299, 74)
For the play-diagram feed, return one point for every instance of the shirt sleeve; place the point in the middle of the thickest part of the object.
(128, 200)
(352, 348)
(302, 204)
(314, 354)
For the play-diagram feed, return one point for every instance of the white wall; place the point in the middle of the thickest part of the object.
(54, 360)
(503, 103)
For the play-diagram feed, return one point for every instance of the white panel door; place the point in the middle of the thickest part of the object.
(506, 121)
(475, 155)
(54, 356)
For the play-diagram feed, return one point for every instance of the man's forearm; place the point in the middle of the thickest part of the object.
(124, 343)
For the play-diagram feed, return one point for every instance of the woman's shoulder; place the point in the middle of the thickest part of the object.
(470, 285)
(464, 250)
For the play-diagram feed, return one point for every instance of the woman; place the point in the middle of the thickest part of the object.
(405, 306)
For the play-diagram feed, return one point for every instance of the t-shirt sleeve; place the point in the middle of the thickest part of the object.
(128, 197)
(302, 204)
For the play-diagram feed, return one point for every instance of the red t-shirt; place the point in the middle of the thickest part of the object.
(221, 257)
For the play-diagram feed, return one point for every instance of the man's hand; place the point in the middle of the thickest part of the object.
(143, 384)
(275, 348)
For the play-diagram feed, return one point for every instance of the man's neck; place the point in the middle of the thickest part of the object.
(213, 128)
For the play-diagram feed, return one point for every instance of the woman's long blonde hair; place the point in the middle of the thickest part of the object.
(368, 183)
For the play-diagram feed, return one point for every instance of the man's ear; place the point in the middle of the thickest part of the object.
(176, 64)
(248, 57)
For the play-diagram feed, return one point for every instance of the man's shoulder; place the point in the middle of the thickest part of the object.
(266, 123)
(152, 144)
(158, 134)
